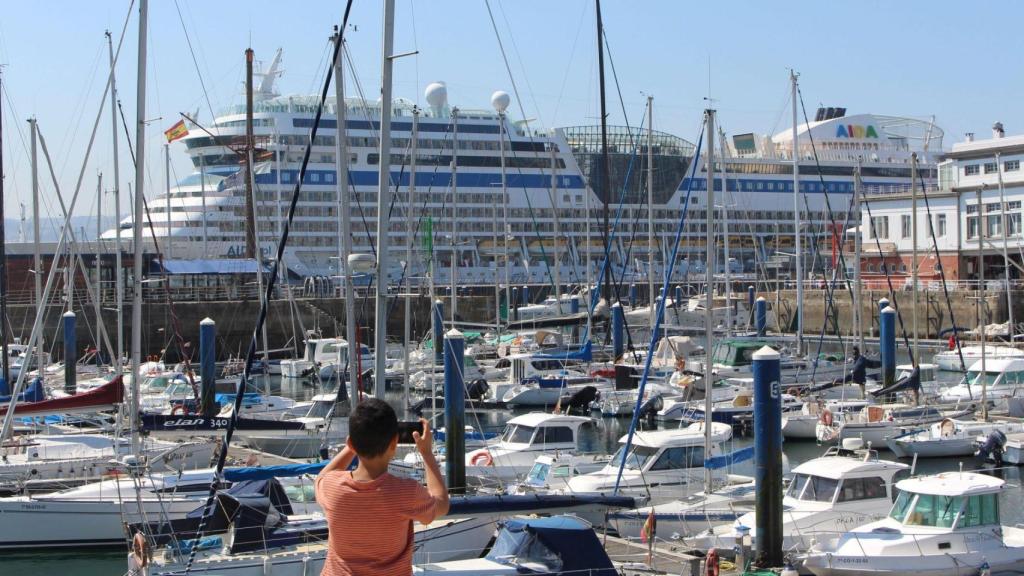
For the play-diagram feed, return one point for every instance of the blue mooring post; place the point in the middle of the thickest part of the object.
(437, 322)
(618, 330)
(515, 303)
(761, 316)
(751, 296)
(207, 367)
(887, 343)
(526, 295)
(661, 293)
(882, 304)
(768, 456)
(70, 352)
(574, 305)
(632, 295)
(679, 297)
(455, 411)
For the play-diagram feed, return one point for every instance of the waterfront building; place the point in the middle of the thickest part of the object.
(977, 201)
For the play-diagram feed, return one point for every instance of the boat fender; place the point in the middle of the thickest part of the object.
(140, 550)
(793, 391)
(711, 563)
(826, 417)
(482, 459)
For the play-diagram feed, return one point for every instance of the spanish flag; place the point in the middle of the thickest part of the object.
(650, 528)
(176, 132)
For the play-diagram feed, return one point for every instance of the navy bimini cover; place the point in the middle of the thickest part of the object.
(34, 393)
(559, 544)
(910, 382)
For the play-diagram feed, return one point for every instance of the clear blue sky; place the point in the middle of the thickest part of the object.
(954, 60)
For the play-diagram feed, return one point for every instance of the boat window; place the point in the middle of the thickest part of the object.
(548, 364)
(931, 510)
(814, 488)
(680, 457)
(638, 457)
(900, 507)
(517, 434)
(319, 409)
(976, 378)
(301, 493)
(538, 474)
(901, 475)
(502, 363)
(563, 471)
(797, 485)
(981, 510)
(555, 435)
(862, 489)
(524, 549)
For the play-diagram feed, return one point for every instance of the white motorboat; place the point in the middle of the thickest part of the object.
(950, 359)
(942, 525)
(321, 352)
(662, 463)
(947, 438)
(1003, 379)
(321, 426)
(511, 456)
(845, 487)
(739, 406)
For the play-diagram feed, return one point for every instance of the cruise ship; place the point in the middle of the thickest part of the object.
(519, 194)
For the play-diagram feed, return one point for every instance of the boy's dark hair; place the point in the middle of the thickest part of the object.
(372, 426)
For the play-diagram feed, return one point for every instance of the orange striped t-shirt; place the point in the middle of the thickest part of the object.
(370, 523)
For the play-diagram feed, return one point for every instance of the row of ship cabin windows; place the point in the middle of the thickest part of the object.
(991, 167)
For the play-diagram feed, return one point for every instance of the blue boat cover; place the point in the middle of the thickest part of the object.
(505, 504)
(267, 472)
(585, 353)
(562, 544)
(247, 398)
(726, 460)
(34, 392)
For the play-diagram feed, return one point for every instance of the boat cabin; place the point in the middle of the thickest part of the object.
(952, 500)
(1001, 377)
(839, 478)
(542, 431)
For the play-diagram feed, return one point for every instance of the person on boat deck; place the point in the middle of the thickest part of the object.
(370, 512)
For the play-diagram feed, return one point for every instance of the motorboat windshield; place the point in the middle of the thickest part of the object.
(944, 511)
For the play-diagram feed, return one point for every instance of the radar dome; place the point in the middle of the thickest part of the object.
(437, 95)
(500, 100)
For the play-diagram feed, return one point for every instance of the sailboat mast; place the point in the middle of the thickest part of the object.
(980, 304)
(250, 209)
(913, 242)
(345, 219)
(3, 260)
(97, 301)
(1004, 222)
(119, 271)
(140, 187)
(799, 270)
(858, 244)
(455, 214)
(606, 291)
(709, 273)
(555, 205)
(411, 222)
(169, 248)
(383, 200)
(650, 211)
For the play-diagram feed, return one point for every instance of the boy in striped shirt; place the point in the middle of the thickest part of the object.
(370, 512)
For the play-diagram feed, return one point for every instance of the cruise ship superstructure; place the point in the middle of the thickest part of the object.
(542, 169)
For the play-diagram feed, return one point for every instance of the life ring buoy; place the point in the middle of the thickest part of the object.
(178, 409)
(826, 417)
(711, 563)
(140, 550)
(482, 459)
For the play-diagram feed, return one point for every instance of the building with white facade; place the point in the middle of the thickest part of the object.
(974, 212)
